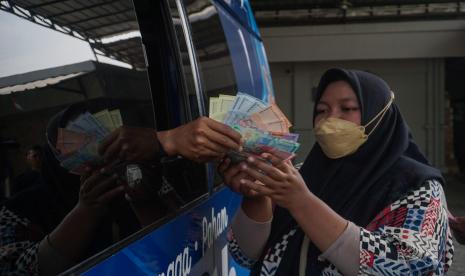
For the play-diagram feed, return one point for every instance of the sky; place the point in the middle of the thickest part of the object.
(27, 46)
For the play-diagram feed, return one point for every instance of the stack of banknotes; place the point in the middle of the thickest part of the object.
(77, 143)
(264, 127)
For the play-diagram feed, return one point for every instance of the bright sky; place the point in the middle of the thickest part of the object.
(26, 46)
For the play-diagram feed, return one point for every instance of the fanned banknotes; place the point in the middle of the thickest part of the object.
(77, 143)
(264, 127)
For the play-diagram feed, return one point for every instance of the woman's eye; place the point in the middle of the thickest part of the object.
(350, 109)
(320, 111)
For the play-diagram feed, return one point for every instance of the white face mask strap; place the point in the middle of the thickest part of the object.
(380, 114)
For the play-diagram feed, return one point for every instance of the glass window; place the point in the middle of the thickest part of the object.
(229, 54)
(58, 105)
(213, 54)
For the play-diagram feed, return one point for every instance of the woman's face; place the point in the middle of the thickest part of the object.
(338, 101)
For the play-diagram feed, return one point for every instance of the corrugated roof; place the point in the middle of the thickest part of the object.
(129, 50)
(37, 84)
(45, 77)
(91, 20)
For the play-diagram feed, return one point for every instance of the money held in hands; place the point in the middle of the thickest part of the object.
(77, 143)
(264, 127)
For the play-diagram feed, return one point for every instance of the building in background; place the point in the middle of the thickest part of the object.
(416, 46)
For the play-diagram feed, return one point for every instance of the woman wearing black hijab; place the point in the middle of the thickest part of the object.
(366, 200)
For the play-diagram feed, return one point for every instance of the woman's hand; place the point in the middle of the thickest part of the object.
(255, 206)
(279, 180)
(98, 189)
(232, 176)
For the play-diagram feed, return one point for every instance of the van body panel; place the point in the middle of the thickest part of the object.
(248, 56)
(192, 244)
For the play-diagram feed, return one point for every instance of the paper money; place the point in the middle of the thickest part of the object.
(89, 125)
(247, 104)
(225, 102)
(237, 157)
(290, 136)
(77, 144)
(116, 118)
(264, 127)
(75, 127)
(272, 118)
(219, 116)
(233, 117)
(219, 106)
(104, 117)
(213, 107)
(69, 141)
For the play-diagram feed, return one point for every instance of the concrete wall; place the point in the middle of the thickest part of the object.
(419, 39)
(416, 82)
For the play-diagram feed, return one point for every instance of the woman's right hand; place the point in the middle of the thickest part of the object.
(98, 189)
(232, 176)
(255, 206)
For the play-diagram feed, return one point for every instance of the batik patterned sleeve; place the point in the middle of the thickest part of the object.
(18, 256)
(410, 237)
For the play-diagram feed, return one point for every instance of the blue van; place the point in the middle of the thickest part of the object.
(194, 50)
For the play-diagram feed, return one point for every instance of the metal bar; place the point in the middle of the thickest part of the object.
(32, 17)
(44, 4)
(83, 9)
(98, 16)
(119, 32)
(129, 47)
(8, 8)
(265, 6)
(399, 2)
(111, 54)
(291, 5)
(109, 25)
(124, 45)
(270, 22)
(192, 58)
(93, 50)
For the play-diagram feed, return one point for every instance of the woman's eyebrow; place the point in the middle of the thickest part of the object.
(322, 103)
(351, 99)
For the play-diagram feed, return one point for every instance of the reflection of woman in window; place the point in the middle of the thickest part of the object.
(366, 201)
(50, 227)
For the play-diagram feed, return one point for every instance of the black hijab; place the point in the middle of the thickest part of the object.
(388, 165)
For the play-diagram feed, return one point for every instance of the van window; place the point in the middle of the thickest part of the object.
(173, 89)
(229, 54)
(213, 52)
(52, 109)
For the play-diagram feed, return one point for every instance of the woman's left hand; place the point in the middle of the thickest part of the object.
(281, 181)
